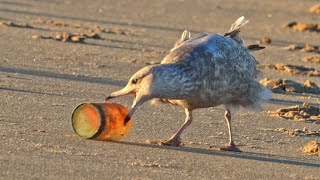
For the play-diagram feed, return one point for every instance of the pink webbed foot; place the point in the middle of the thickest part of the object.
(172, 142)
(231, 147)
(228, 147)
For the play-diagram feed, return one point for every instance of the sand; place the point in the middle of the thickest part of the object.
(43, 79)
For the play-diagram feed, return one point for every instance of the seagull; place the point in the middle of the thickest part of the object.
(205, 71)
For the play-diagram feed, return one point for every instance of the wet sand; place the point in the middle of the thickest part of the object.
(43, 79)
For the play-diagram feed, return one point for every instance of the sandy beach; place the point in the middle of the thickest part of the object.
(57, 54)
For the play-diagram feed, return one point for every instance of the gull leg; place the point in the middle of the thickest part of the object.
(175, 140)
(230, 146)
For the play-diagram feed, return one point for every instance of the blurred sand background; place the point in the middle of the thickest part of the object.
(43, 80)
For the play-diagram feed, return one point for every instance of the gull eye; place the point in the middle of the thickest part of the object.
(134, 81)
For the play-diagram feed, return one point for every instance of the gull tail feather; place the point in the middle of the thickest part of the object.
(257, 94)
(255, 47)
(235, 29)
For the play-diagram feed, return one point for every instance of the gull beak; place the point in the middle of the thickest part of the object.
(108, 98)
(119, 93)
(127, 119)
(130, 114)
(137, 102)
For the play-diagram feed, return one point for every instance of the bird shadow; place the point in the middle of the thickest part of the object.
(5, 19)
(113, 46)
(135, 43)
(287, 102)
(238, 155)
(28, 91)
(138, 25)
(304, 95)
(47, 74)
(15, 3)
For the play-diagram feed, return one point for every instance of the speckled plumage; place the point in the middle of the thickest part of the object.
(201, 72)
(210, 70)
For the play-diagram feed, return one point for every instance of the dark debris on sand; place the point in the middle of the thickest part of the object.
(315, 9)
(312, 148)
(12, 24)
(283, 85)
(265, 40)
(304, 27)
(312, 59)
(298, 132)
(303, 48)
(293, 69)
(305, 113)
(90, 28)
(69, 37)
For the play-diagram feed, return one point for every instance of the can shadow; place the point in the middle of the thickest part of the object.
(239, 155)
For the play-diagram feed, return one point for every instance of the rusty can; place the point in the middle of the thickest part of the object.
(101, 121)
